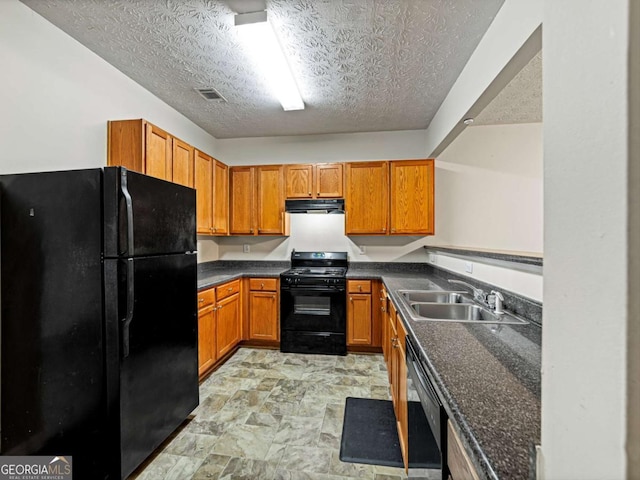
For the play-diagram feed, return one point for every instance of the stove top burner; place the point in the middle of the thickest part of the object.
(318, 267)
(316, 271)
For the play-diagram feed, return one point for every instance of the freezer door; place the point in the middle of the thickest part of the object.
(155, 349)
(146, 216)
(51, 330)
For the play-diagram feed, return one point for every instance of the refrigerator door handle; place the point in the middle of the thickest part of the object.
(129, 209)
(126, 322)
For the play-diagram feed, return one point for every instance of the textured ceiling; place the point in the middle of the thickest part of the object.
(520, 101)
(362, 65)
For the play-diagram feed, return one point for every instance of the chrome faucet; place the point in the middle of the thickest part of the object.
(495, 301)
(478, 293)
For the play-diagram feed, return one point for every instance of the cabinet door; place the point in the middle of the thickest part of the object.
(206, 339)
(227, 325)
(220, 198)
(393, 357)
(412, 197)
(270, 192)
(367, 198)
(329, 180)
(384, 322)
(299, 181)
(182, 163)
(359, 319)
(241, 201)
(263, 316)
(158, 153)
(204, 185)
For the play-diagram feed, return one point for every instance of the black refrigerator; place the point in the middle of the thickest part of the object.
(98, 318)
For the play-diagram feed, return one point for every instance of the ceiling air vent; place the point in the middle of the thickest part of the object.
(210, 94)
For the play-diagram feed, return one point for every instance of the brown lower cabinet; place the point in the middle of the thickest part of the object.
(219, 324)
(395, 337)
(364, 328)
(264, 310)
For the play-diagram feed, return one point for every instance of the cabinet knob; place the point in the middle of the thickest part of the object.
(201, 300)
(360, 288)
(309, 193)
(351, 299)
(230, 289)
(393, 230)
(318, 193)
(384, 229)
(262, 285)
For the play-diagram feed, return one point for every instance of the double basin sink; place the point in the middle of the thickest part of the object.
(451, 306)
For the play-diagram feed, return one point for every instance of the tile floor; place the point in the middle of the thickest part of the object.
(271, 415)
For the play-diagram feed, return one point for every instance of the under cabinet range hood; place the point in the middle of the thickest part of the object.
(333, 205)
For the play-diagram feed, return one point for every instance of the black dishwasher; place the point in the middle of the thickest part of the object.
(423, 403)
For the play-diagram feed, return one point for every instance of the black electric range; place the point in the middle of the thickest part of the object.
(313, 301)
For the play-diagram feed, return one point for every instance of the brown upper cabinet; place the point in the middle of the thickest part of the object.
(142, 147)
(241, 201)
(367, 198)
(323, 180)
(212, 195)
(220, 198)
(182, 163)
(389, 198)
(257, 201)
(411, 195)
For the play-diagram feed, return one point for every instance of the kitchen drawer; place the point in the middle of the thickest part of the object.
(266, 284)
(206, 298)
(228, 289)
(359, 286)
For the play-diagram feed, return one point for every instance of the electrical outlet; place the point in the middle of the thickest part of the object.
(468, 267)
(432, 258)
(363, 249)
(246, 248)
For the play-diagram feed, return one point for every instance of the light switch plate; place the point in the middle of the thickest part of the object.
(468, 267)
(246, 248)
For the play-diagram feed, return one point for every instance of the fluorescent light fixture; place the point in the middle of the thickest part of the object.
(263, 43)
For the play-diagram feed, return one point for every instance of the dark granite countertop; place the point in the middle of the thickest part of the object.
(216, 273)
(487, 377)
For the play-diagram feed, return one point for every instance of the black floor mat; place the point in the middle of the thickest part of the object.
(369, 435)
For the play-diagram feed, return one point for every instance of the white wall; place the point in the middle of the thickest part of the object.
(489, 189)
(348, 147)
(56, 97)
(588, 257)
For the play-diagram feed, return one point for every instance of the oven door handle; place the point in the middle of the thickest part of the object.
(312, 289)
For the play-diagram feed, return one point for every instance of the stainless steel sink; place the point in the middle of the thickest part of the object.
(434, 296)
(451, 306)
(456, 312)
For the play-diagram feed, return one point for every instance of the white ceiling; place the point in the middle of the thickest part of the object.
(362, 65)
